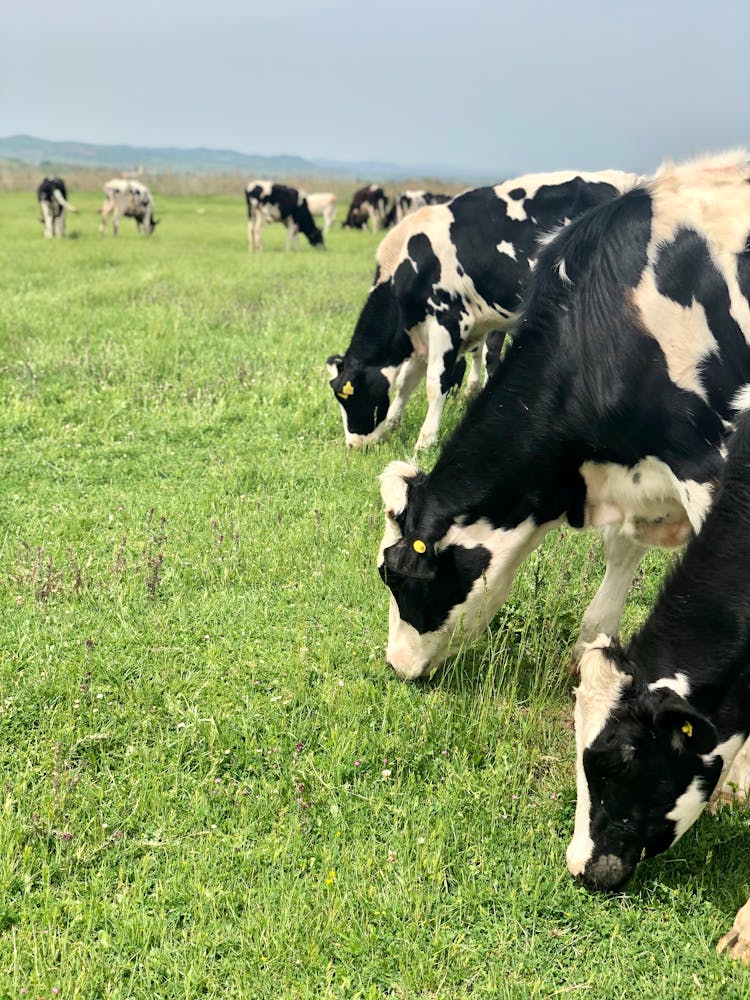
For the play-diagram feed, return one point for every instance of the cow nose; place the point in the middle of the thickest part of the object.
(607, 872)
(405, 666)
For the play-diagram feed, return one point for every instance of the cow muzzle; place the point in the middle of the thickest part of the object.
(605, 873)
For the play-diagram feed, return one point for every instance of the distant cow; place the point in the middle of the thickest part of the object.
(53, 204)
(269, 202)
(409, 201)
(610, 409)
(661, 723)
(129, 199)
(447, 276)
(323, 204)
(369, 204)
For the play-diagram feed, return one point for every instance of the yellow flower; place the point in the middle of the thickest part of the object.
(331, 877)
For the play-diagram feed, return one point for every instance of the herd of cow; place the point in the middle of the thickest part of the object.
(266, 202)
(618, 402)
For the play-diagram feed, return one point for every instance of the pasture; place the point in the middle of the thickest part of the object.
(213, 785)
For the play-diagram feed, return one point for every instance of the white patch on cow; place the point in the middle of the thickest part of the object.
(597, 696)
(679, 684)
(507, 248)
(516, 209)
(688, 807)
(562, 272)
(648, 502)
(412, 654)
(682, 333)
(741, 399)
(393, 486)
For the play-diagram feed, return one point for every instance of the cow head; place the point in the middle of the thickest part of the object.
(315, 236)
(447, 576)
(646, 764)
(362, 392)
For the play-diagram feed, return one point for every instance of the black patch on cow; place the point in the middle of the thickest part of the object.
(517, 194)
(686, 273)
(425, 598)
(481, 220)
(46, 192)
(743, 270)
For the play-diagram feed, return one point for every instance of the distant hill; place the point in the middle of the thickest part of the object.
(45, 153)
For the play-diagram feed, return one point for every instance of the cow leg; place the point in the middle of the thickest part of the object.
(292, 239)
(736, 786)
(116, 222)
(474, 382)
(605, 611)
(737, 941)
(60, 224)
(46, 210)
(442, 358)
(103, 223)
(410, 374)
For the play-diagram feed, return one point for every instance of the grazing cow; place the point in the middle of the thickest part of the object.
(129, 199)
(660, 723)
(323, 204)
(369, 204)
(409, 201)
(54, 205)
(609, 409)
(446, 276)
(269, 202)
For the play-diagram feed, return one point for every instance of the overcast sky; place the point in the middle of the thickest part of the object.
(489, 87)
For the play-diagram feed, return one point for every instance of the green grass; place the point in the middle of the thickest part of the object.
(212, 784)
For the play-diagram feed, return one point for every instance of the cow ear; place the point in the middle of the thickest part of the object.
(412, 558)
(333, 364)
(394, 480)
(688, 726)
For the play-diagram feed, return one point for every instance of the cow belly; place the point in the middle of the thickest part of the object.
(647, 500)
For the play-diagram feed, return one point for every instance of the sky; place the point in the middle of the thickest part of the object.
(492, 88)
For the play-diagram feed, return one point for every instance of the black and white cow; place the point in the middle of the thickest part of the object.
(129, 199)
(662, 723)
(369, 204)
(54, 205)
(447, 276)
(409, 201)
(269, 202)
(609, 409)
(323, 204)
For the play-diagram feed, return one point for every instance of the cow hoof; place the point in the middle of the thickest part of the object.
(736, 943)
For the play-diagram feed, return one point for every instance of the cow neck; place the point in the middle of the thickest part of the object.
(700, 626)
(509, 460)
(378, 338)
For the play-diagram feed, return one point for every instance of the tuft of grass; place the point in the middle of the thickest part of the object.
(212, 784)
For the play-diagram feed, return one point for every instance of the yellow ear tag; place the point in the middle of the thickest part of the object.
(347, 391)
(419, 546)
(687, 729)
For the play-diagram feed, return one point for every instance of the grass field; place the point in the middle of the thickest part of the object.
(212, 784)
